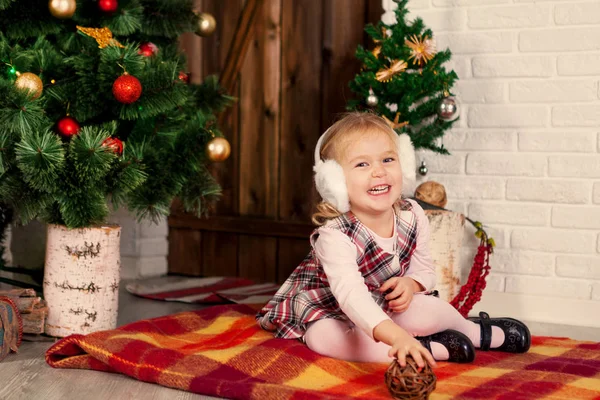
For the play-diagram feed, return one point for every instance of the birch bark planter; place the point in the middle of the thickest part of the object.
(81, 279)
(446, 235)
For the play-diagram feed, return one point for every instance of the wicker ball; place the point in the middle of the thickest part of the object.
(432, 193)
(408, 382)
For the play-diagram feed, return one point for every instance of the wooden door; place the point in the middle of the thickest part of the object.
(293, 83)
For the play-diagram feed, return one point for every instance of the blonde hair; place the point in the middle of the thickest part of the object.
(336, 142)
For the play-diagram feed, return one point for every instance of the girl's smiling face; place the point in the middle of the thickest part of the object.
(373, 172)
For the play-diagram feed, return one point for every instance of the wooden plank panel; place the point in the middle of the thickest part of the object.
(293, 82)
(290, 254)
(258, 258)
(191, 45)
(226, 13)
(220, 256)
(373, 13)
(244, 34)
(343, 22)
(220, 249)
(260, 116)
(300, 105)
(185, 251)
(215, 47)
(244, 225)
(259, 140)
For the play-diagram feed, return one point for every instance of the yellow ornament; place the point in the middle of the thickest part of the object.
(103, 36)
(422, 49)
(206, 24)
(386, 75)
(62, 9)
(218, 149)
(30, 82)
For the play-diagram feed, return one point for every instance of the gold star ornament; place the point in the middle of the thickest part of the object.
(103, 36)
(421, 49)
(386, 74)
(395, 124)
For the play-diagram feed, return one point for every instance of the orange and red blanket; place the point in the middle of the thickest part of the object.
(220, 351)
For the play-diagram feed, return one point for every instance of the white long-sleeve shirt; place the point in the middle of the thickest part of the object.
(338, 255)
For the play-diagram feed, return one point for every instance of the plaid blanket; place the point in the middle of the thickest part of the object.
(211, 290)
(220, 351)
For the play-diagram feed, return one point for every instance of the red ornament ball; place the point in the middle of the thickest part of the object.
(108, 6)
(127, 89)
(114, 144)
(67, 126)
(183, 77)
(148, 49)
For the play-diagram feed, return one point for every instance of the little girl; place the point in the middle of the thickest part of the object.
(363, 293)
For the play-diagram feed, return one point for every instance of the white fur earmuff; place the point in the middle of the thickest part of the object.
(408, 162)
(331, 181)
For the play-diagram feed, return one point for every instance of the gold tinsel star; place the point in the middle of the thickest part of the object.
(395, 124)
(386, 75)
(103, 36)
(422, 49)
(376, 51)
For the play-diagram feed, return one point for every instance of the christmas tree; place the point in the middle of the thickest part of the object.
(97, 110)
(403, 80)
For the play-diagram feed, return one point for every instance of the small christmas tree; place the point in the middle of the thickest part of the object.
(97, 110)
(404, 80)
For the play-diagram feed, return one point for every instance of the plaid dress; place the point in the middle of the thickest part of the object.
(306, 295)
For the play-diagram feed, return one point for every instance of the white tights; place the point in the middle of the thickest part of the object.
(425, 316)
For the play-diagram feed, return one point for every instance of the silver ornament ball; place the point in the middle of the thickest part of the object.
(423, 168)
(448, 109)
(372, 100)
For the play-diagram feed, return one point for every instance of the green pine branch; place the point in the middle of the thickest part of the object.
(40, 157)
(413, 94)
(71, 180)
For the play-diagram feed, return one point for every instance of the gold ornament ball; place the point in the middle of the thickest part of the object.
(62, 9)
(218, 149)
(206, 24)
(31, 82)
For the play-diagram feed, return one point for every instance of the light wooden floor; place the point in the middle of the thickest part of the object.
(26, 376)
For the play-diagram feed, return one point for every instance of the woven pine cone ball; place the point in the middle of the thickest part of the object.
(408, 382)
(433, 193)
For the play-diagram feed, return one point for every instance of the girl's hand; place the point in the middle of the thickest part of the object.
(405, 345)
(402, 291)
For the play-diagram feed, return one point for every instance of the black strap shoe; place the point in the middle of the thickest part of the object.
(459, 347)
(517, 338)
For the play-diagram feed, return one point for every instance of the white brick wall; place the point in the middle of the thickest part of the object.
(526, 152)
(556, 287)
(512, 66)
(546, 141)
(144, 246)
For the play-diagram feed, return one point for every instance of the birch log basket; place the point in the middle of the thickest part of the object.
(81, 279)
(447, 231)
